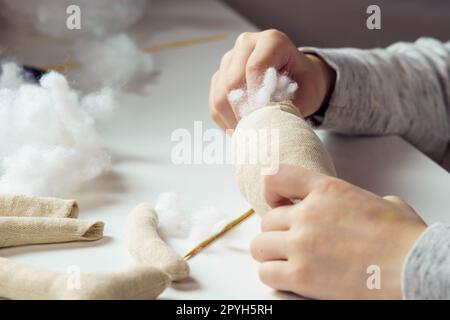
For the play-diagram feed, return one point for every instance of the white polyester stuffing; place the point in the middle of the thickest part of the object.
(48, 142)
(115, 61)
(274, 87)
(177, 222)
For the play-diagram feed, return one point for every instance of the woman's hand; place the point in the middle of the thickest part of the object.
(322, 246)
(245, 64)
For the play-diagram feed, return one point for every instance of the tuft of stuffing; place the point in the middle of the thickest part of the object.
(100, 105)
(98, 18)
(195, 226)
(205, 222)
(48, 142)
(274, 87)
(11, 76)
(173, 221)
(114, 61)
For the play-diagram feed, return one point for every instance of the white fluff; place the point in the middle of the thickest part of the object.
(173, 221)
(115, 61)
(275, 87)
(11, 76)
(48, 143)
(98, 17)
(195, 226)
(206, 222)
(101, 104)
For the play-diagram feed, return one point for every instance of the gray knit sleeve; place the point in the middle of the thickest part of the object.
(426, 272)
(403, 90)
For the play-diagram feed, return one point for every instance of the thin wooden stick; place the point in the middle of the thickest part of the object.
(186, 42)
(62, 66)
(202, 245)
(155, 48)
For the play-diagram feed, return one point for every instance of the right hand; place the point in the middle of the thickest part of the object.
(322, 246)
(245, 64)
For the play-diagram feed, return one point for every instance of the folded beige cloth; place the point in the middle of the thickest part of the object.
(32, 220)
(48, 220)
(297, 145)
(146, 246)
(21, 281)
(29, 206)
(17, 231)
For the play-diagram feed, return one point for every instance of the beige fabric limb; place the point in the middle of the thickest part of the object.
(39, 224)
(17, 231)
(29, 206)
(21, 281)
(37, 220)
(297, 145)
(146, 246)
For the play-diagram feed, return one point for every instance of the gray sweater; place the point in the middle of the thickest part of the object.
(404, 90)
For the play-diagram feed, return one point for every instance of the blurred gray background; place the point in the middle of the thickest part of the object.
(342, 23)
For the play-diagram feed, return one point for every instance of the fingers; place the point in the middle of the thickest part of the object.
(223, 107)
(242, 50)
(268, 53)
(276, 274)
(277, 219)
(215, 115)
(269, 246)
(219, 106)
(290, 183)
(244, 66)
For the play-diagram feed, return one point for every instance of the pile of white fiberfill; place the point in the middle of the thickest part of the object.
(114, 61)
(274, 87)
(50, 17)
(48, 142)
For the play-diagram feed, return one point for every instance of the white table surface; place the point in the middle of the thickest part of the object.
(138, 138)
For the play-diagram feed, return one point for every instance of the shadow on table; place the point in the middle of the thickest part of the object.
(188, 284)
(119, 158)
(100, 191)
(284, 295)
(105, 190)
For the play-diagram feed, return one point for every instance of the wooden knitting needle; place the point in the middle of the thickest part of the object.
(155, 48)
(186, 42)
(202, 245)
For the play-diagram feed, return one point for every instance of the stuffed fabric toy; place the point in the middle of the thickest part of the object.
(282, 137)
(147, 248)
(37, 220)
(30, 220)
(21, 281)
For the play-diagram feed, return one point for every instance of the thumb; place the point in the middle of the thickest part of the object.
(290, 183)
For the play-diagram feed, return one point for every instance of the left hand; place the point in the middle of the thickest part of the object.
(322, 246)
(246, 63)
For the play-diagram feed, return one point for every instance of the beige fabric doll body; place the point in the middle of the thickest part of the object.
(296, 144)
(29, 220)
